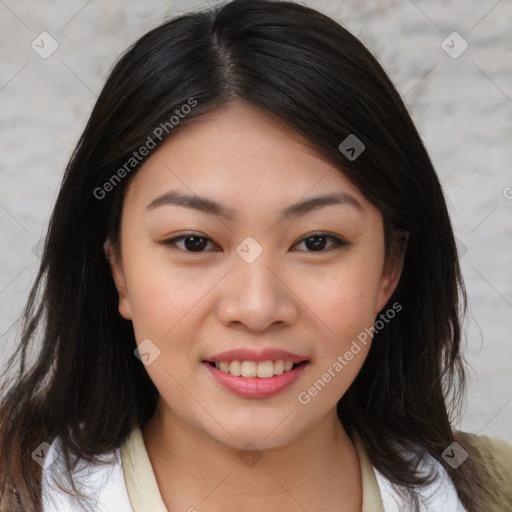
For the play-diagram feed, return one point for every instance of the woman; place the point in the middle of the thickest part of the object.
(249, 294)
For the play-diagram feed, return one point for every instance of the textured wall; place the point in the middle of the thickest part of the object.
(461, 103)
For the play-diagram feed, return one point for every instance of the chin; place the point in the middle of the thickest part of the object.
(254, 434)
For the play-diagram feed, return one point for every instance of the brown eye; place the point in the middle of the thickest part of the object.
(317, 242)
(190, 242)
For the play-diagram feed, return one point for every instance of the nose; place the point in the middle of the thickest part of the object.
(257, 297)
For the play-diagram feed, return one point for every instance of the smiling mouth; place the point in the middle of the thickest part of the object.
(253, 369)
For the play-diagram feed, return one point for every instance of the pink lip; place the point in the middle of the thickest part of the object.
(254, 387)
(247, 354)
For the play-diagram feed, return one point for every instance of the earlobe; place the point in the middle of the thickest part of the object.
(392, 270)
(119, 279)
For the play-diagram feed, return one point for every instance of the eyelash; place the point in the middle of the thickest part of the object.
(337, 242)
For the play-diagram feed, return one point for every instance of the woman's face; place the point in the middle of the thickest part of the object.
(258, 270)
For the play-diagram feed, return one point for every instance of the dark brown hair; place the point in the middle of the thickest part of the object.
(85, 385)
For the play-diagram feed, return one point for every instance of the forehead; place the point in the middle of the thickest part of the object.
(239, 155)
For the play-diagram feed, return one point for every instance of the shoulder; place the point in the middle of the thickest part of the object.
(495, 453)
(438, 496)
(102, 482)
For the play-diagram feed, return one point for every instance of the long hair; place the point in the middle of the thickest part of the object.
(85, 385)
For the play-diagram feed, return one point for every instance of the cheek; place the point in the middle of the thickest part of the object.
(166, 309)
(163, 298)
(343, 298)
(346, 312)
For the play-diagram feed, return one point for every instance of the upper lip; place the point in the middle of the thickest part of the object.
(248, 354)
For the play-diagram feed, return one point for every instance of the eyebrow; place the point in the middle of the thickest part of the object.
(206, 205)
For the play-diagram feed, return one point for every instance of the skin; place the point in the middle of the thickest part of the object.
(193, 305)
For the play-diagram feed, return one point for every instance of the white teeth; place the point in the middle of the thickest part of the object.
(278, 367)
(263, 370)
(235, 368)
(249, 368)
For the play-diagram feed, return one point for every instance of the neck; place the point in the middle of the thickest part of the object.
(317, 471)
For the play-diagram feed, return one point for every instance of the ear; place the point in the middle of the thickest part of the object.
(392, 269)
(116, 268)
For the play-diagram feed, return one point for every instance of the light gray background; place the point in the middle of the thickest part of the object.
(462, 107)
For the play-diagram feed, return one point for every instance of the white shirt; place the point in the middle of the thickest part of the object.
(126, 483)
(105, 484)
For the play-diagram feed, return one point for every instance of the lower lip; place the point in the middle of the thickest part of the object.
(254, 387)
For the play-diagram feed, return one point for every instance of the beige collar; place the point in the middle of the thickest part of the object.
(145, 495)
